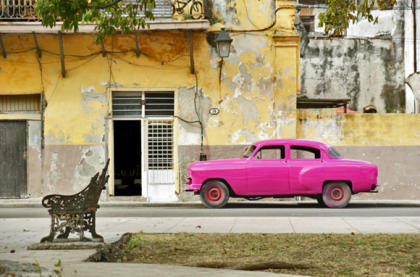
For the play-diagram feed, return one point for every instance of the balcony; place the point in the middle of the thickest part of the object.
(24, 10)
(17, 10)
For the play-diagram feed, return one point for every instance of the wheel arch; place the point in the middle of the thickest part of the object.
(348, 182)
(231, 191)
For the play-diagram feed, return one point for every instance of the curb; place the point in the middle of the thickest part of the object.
(36, 203)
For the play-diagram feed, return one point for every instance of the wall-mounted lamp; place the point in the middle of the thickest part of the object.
(223, 42)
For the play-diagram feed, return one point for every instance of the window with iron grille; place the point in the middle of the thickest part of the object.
(160, 144)
(20, 103)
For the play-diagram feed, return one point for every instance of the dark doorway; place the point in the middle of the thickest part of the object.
(127, 157)
(12, 159)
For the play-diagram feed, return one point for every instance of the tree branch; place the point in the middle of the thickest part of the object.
(105, 6)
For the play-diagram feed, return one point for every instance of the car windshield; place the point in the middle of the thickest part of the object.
(334, 153)
(248, 151)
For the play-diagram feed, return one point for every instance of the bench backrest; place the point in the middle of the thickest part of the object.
(95, 188)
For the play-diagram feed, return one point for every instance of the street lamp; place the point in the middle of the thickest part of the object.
(223, 41)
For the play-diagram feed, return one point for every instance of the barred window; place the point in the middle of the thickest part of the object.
(20, 103)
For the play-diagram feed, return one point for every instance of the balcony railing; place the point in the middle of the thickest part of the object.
(23, 10)
(162, 9)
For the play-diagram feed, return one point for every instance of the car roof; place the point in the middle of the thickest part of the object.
(300, 142)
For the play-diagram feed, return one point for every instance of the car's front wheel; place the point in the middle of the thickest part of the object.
(336, 194)
(214, 194)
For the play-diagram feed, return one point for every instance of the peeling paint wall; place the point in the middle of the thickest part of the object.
(34, 158)
(389, 140)
(256, 97)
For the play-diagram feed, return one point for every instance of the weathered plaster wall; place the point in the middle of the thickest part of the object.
(34, 158)
(256, 97)
(412, 95)
(367, 65)
(359, 129)
(389, 140)
(367, 71)
(69, 168)
(257, 86)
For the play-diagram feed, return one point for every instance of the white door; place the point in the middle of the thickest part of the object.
(159, 167)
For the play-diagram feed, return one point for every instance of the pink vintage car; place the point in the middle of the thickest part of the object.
(283, 168)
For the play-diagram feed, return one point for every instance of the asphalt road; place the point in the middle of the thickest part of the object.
(246, 209)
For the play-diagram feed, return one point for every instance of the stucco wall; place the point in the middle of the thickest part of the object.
(34, 158)
(256, 97)
(367, 71)
(366, 66)
(389, 140)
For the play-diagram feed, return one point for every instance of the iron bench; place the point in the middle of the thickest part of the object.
(76, 213)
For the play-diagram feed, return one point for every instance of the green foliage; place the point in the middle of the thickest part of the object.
(108, 15)
(340, 13)
(58, 269)
(136, 241)
(37, 268)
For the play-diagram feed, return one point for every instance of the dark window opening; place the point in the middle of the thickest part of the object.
(127, 157)
(308, 23)
(303, 152)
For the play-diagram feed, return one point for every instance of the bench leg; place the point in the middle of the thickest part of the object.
(51, 236)
(91, 222)
(65, 234)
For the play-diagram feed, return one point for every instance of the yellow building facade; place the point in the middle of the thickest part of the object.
(151, 102)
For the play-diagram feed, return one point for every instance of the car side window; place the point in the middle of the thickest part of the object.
(303, 152)
(270, 153)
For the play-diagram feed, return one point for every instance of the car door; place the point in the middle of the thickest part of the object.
(300, 159)
(267, 172)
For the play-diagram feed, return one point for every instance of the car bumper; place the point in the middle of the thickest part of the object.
(374, 189)
(192, 187)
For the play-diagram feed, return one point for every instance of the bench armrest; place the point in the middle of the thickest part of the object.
(58, 202)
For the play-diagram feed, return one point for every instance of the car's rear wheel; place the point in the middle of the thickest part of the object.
(336, 194)
(214, 194)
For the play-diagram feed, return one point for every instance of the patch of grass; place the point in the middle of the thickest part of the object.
(306, 254)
